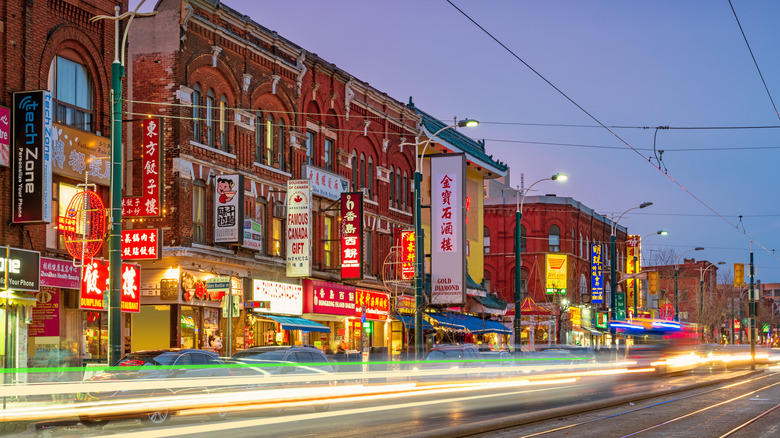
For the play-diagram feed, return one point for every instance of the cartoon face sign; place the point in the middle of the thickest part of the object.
(215, 342)
(225, 189)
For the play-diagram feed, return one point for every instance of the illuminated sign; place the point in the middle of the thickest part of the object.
(448, 230)
(597, 273)
(77, 152)
(328, 298)
(95, 280)
(556, 273)
(5, 136)
(229, 209)
(299, 228)
(150, 201)
(23, 268)
(602, 320)
(142, 244)
(377, 304)
(60, 273)
(282, 298)
(632, 267)
(407, 255)
(32, 181)
(352, 236)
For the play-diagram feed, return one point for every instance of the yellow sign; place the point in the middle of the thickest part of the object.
(575, 313)
(556, 273)
(76, 152)
(739, 274)
(632, 262)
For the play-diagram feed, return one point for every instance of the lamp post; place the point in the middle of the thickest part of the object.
(518, 254)
(636, 269)
(419, 269)
(676, 271)
(612, 265)
(701, 295)
(115, 342)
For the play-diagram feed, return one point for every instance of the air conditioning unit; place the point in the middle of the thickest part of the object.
(280, 210)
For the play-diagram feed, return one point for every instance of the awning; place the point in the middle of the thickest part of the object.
(478, 325)
(408, 321)
(293, 323)
(446, 320)
(17, 298)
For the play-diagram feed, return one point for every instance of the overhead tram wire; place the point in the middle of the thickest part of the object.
(646, 159)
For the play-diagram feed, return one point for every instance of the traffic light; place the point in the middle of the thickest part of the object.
(652, 280)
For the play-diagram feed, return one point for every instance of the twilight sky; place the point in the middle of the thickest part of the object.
(629, 66)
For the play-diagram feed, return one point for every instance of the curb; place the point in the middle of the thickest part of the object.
(548, 414)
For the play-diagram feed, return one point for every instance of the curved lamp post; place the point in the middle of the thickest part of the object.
(612, 266)
(636, 269)
(518, 254)
(419, 269)
(676, 271)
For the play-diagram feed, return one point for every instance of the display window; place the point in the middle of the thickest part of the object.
(190, 326)
(95, 336)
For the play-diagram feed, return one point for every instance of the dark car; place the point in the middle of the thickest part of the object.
(162, 366)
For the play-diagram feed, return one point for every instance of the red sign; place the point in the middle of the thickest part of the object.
(328, 298)
(377, 304)
(5, 136)
(351, 236)
(141, 244)
(407, 254)
(150, 201)
(95, 280)
(46, 313)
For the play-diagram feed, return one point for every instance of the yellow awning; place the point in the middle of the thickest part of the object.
(15, 298)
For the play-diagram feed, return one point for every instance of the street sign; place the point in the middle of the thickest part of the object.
(620, 306)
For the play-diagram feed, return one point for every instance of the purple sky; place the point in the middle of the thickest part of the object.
(628, 64)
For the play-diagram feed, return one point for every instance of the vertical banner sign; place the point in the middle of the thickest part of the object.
(407, 254)
(32, 147)
(632, 250)
(95, 281)
(597, 273)
(352, 236)
(556, 273)
(149, 204)
(448, 229)
(298, 228)
(5, 136)
(142, 244)
(229, 209)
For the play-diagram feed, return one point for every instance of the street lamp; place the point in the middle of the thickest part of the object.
(419, 270)
(701, 295)
(518, 253)
(613, 267)
(676, 292)
(636, 269)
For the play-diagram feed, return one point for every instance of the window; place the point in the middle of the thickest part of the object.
(269, 141)
(355, 186)
(486, 240)
(196, 103)
(71, 86)
(362, 176)
(199, 211)
(392, 186)
(583, 285)
(276, 238)
(486, 281)
(259, 136)
(210, 118)
(405, 188)
(398, 188)
(554, 239)
(368, 256)
(370, 177)
(260, 212)
(327, 244)
(329, 151)
(223, 134)
(582, 254)
(310, 147)
(280, 145)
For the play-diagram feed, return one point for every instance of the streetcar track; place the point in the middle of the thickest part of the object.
(749, 422)
(731, 385)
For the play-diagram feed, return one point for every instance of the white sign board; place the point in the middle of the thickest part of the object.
(282, 298)
(298, 228)
(448, 229)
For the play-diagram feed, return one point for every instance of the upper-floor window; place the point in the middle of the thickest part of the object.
(327, 241)
(398, 188)
(280, 136)
(392, 186)
(210, 118)
(554, 239)
(223, 132)
(486, 240)
(260, 218)
(362, 171)
(310, 147)
(328, 156)
(368, 256)
(277, 234)
(259, 136)
(268, 158)
(370, 177)
(71, 85)
(199, 211)
(405, 190)
(196, 112)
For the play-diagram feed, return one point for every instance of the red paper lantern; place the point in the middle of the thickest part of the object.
(87, 224)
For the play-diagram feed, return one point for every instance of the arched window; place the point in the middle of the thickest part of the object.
(582, 254)
(583, 285)
(362, 176)
(268, 156)
(72, 88)
(210, 118)
(398, 188)
(223, 132)
(370, 177)
(329, 152)
(392, 185)
(310, 146)
(327, 241)
(280, 145)
(486, 239)
(259, 135)
(554, 239)
(355, 181)
(261, 207)
(405, 189)
(196, 112)
(199, 211)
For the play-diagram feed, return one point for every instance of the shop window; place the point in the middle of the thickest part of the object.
(311, 138)
(190, 327)
(196, 104)
(223, 132)
(72, 89)
(554, 239)
(210, 118)
(327, 244)
(329, 151)
(199, 211)
(95, 336)
(276, 238)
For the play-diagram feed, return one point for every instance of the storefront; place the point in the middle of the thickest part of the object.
(375, 326)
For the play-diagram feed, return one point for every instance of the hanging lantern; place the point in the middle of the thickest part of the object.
(84, 225)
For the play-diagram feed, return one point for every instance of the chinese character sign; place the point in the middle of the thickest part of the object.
(448, 231)
(377, 304)
(328, 298)
(76, 153)
(150, 201)
(351, 235)
(95, 280)
(597, 273)
(556, 273)
(229, 209)
(632, 267)
(407, 254)
(298, 228)
(141, 244)
(324, 183)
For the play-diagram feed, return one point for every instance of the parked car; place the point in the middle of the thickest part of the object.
(499, 359)
(464, 357)
(157, 365)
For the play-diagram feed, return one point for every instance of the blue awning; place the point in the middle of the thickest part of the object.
(470, 323)
(408, 321)
(446, 320)
(293, 323)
